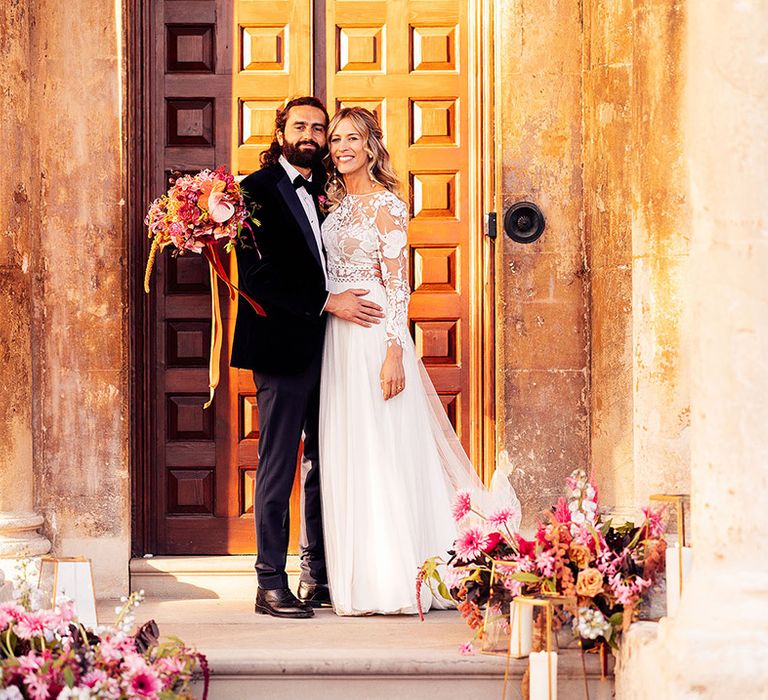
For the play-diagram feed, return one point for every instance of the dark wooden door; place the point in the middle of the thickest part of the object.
(220, 69)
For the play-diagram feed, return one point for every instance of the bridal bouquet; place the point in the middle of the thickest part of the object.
(198, 214)
(47, 655)
(576, 552)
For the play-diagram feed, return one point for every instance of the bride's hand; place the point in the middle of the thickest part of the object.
(392, 372)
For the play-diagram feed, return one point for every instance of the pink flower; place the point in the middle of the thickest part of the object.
(471, 544)
(9, 613)
(655, 528)
(525, 564)
(37, 688)
(171, 665)
(514, 586)
(145, 684)
(30, 662)
(453, 577)
(219, 209)
(93, 677)
(562, 513)
(500, 517)
(467, 649)
(461, 505)
(627, 591)
(31, 624)
(115, 647)
(545, 561)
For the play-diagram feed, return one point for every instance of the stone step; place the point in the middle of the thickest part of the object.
(179, 578)
(342, 658)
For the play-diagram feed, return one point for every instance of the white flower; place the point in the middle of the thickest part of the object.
(12, 693)
(591, 623)
(76, 694)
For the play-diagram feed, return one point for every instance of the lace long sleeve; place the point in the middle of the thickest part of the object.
(392, 227)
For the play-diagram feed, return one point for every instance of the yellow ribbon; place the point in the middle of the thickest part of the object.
(214, 363)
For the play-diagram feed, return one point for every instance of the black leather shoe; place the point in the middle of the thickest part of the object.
(280, 602)
(318, 595)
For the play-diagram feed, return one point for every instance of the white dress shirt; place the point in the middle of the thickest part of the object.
(309, 208)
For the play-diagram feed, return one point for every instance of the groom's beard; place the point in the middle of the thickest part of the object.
(303, 157)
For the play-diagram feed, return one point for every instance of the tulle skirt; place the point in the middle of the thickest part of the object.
(386, 492)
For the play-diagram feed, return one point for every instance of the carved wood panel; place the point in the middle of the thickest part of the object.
(220, 71)
(403, 59)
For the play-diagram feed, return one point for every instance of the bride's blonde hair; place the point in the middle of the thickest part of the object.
(379, 164)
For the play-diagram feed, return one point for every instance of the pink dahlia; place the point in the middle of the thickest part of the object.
(462, 505)
(31, 624)
(9, 613)
(500, 517)
(145, 684)
(471, 544)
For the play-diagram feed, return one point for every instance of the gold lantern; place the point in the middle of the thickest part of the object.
(71, 577)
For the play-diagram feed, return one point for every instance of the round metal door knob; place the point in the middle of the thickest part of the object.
(524, 222)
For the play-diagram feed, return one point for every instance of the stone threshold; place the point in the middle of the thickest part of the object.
(187, 577)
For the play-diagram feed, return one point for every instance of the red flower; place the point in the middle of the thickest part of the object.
(493, 539)
(526, 547)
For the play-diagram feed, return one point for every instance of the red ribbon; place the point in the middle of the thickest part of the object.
(211, 253)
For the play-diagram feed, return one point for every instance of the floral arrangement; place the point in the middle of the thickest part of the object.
(196, 214)
(197, 210)
(576, 552)
(46, 655)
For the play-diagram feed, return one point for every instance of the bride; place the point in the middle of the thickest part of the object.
(391, 461)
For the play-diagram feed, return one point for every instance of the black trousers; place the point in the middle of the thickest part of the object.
(288, 406)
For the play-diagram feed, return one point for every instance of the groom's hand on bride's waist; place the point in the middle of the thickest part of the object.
(351, 306)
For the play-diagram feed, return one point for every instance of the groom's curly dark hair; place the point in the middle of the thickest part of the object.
(272, 154)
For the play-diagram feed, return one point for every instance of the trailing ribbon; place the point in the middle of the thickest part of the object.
(218, 271)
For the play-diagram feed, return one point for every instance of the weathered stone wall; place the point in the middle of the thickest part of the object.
(63, 267)
(18, 214)
(717, 645)
(542, 335)
(637, 219)
(17, 157)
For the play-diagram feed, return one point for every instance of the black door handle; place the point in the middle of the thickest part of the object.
(524, 222)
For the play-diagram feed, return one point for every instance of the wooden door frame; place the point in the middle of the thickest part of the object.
(136, 21)
(485, 196)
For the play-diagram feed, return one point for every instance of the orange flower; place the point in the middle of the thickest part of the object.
(207, 188)
(589, 582)
(580, 555)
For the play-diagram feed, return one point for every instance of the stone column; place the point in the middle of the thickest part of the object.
(717, 645)
(18, 520)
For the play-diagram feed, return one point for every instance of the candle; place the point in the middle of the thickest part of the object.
(543, 675)
(521, 623)
(679, 561)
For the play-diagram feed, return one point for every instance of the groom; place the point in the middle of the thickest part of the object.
(286, 273)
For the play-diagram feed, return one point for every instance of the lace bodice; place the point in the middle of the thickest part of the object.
(365, 240)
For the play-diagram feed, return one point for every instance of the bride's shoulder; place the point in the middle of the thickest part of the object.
(393, 201)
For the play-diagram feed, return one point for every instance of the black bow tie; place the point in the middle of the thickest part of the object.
(301, 181)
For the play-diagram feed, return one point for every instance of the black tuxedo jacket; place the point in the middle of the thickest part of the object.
(284, 274)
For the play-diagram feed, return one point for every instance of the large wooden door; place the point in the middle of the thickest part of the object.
(408, 61)
(221, 68)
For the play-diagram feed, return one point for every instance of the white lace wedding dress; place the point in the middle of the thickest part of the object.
(390, 469)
